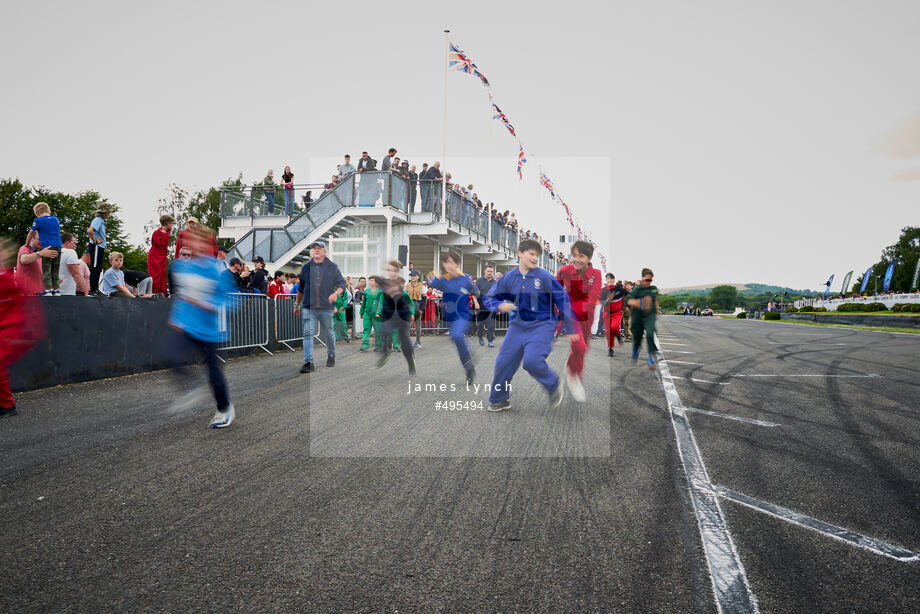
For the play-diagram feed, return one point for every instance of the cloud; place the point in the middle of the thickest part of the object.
(907, 174)
(904, 141)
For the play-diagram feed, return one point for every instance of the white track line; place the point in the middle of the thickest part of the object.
(798, 375)
(679, 352)
(701, 381)
(684, 362)
(729, 582)
(845, 535)
(730, 417)
(671, 343)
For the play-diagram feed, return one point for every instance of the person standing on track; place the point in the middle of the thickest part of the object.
(395, 313)
(370, 305)
(528, 294)
(485, 319)
(582, 282)
(643, 300)
(612, 310)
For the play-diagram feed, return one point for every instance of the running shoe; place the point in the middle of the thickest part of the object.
(499, 405)
(482, 341)
(330, 361)
(610, 352)
(635, 356)
(470, 375)
(363, 348)
(382, 360)
(555, 399)
(491, 344)
(307, 367)
(575, 387)
(411, 368)
(651, 363)
(8, 411)
(223, 419)
(417, 345)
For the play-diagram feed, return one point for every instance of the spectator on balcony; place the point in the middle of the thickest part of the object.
(366, 163)
(425, 187)
(346, 168)
(268, 189)
(96, 232)
(158, 254)
(388, 159)
(276, 286)
(434, 186)
(319, 286)
(413, 188)
(72, 279)
(29, 266)
(334, 181)
(307, 199)
(287, 182)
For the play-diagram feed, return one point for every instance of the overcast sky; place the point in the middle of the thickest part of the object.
(771, 142)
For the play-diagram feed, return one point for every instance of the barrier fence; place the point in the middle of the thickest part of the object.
(246, 322)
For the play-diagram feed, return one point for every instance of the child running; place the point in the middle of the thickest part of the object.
(612, 310)
(370, 305)
(528, 294)
(643, 300)
(582, 282)
(457, 288)
(202, 290)
(395, 312)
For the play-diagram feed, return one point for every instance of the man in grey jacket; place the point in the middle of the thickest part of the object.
(388, 159)
(319, 286)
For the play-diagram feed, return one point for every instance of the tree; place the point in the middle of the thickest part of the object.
(667, 303)
(723, 297)
(906, 255)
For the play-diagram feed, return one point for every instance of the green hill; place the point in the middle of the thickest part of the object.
(749, 289)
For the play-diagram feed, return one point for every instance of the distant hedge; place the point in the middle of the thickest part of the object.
(906, 308)
(741, 315)
(807, 308)
(771, 315)
(851, 307)
(791, 310)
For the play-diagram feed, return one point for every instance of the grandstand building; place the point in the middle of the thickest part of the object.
(366, 220)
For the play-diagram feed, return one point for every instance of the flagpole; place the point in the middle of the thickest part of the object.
(444, 134)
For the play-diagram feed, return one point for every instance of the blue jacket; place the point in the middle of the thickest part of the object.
(318, 281)
(457, 291)
(535, 296)
(204, 280)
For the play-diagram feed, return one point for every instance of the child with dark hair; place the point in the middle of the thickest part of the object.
(395, 312)
(643, 301)
(457, 288)
(582, 282)
(529, 295)
(612, 310)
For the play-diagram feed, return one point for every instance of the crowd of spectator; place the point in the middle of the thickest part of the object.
(425, 185)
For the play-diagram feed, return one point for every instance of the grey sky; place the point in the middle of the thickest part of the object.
(770, 142)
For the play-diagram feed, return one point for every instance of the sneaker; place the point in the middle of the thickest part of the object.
(396, 350)
(491, 344)
(470, 375)
(610, 352)
(55, 293)
(190, 399)
(482, 341)
(651, 363)
(621, 338)
(382, 360)
(364, 348)
(8, 411)
(330, 361)
(411, 368)
(46, 293)
(575, 387)
(555, 399)
(377, 348)
(417, 345)
(635, 356)
(500, 405)
(222, 419)
(307, 367)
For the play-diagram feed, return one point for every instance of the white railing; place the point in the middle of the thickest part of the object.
(886, 299)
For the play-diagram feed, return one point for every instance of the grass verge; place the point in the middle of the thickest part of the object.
(885, 329)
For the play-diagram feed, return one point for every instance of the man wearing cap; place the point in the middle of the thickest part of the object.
(240, 275)
(258, 281)
(319, 287)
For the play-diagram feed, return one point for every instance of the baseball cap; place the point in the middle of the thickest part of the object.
(318, 243)
(259, 259)
(413, 272)
(235, 261)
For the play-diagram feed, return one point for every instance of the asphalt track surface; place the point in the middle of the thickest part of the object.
(337, 491)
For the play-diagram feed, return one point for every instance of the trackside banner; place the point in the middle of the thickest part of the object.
(866, 276)
(846, 283)
(888, 274)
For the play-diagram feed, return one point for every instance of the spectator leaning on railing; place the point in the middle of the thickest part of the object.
(346, 168)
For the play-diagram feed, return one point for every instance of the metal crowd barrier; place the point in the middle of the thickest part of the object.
(246, 322)
(432, 322)
(288, 325)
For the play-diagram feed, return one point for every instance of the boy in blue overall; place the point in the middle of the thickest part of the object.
(528, 294)
(457, 288)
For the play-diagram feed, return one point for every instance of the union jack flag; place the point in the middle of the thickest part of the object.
(522, 160)
(497, 114)
(547, 183)
(458, 60)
